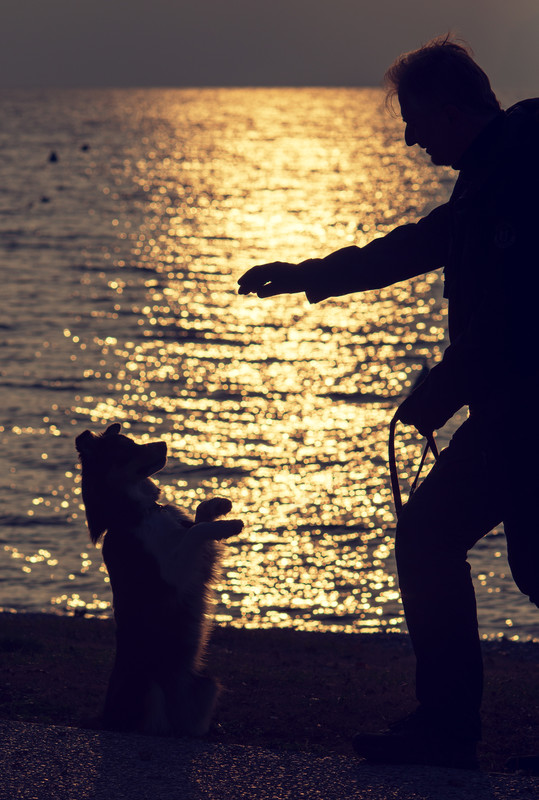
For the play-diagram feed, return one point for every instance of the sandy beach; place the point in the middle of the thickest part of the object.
(282, 689)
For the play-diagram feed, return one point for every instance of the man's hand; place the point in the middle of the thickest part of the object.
(423, 410)
(267, 280)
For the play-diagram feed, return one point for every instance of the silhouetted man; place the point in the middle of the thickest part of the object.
(485, 238)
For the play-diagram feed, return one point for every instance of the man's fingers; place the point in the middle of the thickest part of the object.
(270, 289)
(261, 289)
(257, 278)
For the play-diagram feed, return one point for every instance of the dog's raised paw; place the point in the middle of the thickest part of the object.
(228, 527)
(210, 509)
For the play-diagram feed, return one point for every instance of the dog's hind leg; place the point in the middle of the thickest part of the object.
(155, 720)
(194, 705)
(210, 509)
(124, 700)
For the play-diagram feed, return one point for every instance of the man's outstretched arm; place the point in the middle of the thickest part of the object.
(405, 252)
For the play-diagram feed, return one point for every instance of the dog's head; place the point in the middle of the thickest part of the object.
(113, 467)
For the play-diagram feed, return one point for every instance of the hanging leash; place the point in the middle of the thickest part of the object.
(430, 445)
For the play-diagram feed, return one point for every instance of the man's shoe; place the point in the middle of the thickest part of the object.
(416, 740)
(527, 764)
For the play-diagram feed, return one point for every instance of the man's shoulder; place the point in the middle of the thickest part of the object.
(516, 155)
(523, 119)
(528, 107)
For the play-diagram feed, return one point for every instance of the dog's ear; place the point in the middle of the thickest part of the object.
(113, 429)
(84, 442)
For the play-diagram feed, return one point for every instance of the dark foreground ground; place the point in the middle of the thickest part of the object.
(283, 690)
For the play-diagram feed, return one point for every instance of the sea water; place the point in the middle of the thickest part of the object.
(126, 218)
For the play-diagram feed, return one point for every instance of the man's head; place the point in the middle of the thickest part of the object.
(445, 98)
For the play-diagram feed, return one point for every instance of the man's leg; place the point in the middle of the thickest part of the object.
(520, 466)
(450, 511)
(454, 507)
(521, 513)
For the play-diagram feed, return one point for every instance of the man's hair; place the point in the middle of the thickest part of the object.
(439, 73)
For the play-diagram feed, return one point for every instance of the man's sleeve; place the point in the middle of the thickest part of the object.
(467, 373)
(494, 358)
(405, 252)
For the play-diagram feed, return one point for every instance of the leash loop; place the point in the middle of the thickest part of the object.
(395, 486)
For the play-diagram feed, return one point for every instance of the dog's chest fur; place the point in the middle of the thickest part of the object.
(163, 536)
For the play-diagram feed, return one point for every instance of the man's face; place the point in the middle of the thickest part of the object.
(432, 129)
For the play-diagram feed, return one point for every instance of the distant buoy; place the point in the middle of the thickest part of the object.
(53, 157)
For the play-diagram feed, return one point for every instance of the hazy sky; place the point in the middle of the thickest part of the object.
(253, 42)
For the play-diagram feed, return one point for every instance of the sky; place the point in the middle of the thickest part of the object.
(253, 42)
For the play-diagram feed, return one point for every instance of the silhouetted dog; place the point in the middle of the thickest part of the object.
(161, 565)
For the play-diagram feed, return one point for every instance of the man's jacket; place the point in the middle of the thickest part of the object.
(486, 238)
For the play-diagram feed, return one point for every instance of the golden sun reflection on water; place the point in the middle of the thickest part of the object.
(120, 304)
(281, 406)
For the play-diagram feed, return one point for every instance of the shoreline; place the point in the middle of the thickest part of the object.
(488, 641)
(283, 689)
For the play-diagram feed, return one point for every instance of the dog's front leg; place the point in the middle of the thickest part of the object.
(194, 550)
(219, 529)
(209, 510)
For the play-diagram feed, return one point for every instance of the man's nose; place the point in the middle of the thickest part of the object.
(409, 135)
